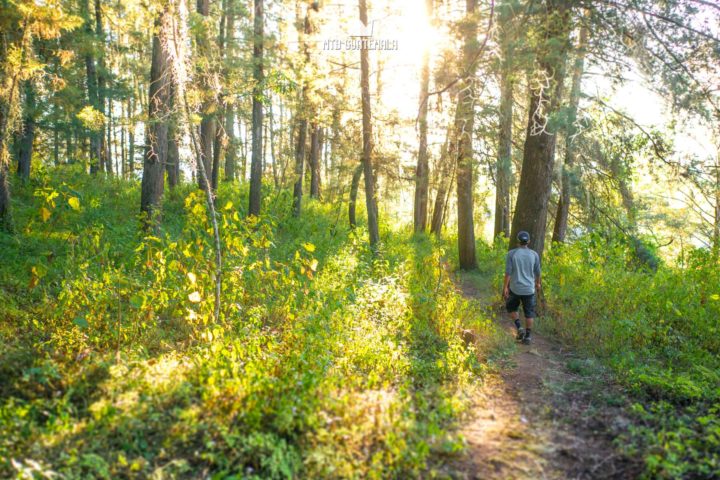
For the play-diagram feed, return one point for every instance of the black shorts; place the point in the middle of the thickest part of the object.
(528, 303)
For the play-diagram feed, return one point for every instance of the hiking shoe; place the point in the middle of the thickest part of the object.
(526, 340)
(520, 334)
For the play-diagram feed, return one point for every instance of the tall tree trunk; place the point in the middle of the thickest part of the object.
(207, 140)
(132, 102)
(173, 154)
(27, 136)
(123, 150)
(56, 144)
(716, 225)
(464, 126)
(96, 136)
(257, 112)
(444, 180)
(105, 157)
(208, 128)
(422, 174)
(299, 165)
(503, 170)
(563, 208)
(217, 157)
(503, 167)
(370, 199)
(7, 104)
(304, 29)
(315, 161)
(287, 146)
(230, 44)
(332, 173)
(5, 212)
(159, 108)
(231, 154)
(539, 153)
(273, 151)
(354, 186)
(245, 143)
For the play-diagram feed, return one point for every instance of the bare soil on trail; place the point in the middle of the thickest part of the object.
(535, 418)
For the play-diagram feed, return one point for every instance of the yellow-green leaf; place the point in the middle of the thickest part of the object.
(74, 203)
(191, 276)
(309, 247)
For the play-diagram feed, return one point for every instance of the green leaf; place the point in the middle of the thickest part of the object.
(74, 203)
(81, 322)
(309, 247)
(136, 301)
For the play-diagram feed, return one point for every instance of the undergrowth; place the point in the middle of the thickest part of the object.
(328, 361)
(658, 331)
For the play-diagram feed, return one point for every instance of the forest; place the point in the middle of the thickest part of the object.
(267, 239)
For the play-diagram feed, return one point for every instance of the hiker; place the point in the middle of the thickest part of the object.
(522, 280)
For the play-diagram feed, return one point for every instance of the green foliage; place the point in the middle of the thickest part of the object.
(328, 361)
(659, 332)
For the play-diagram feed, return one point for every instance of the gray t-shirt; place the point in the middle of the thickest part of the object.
(523, 266)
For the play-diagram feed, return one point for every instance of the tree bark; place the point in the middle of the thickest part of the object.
(315, 161)
(231, 154)
(159, 107)
(563, 207)
(354, 186)
(208, 128)
(27, 136)
(438, 215)
(716, 224)
(370, 199)
(503, 167)
(7, 103)
(464, 127)
(299, 165)
(105, 157)
(230, 44)
(422, 174)
(96, 137)
(257, 112)
(5, 212)
(218, 142)
(132, 102)
(207, 141)
(173, 155)
(539, 154)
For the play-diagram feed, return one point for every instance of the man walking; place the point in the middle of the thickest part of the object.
(522, 280)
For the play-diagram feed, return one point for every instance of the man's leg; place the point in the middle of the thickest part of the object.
(529, 311)
(512, 305)
(528, 329)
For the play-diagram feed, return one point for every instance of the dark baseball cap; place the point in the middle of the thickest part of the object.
(523, 237)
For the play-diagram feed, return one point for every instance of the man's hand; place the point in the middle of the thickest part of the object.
(506, 293)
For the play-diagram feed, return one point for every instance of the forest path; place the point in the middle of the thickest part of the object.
(534, 418)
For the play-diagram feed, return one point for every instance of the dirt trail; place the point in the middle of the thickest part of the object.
(535, 419)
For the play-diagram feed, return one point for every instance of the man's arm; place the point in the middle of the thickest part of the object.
(508, 272)
(538, 274)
